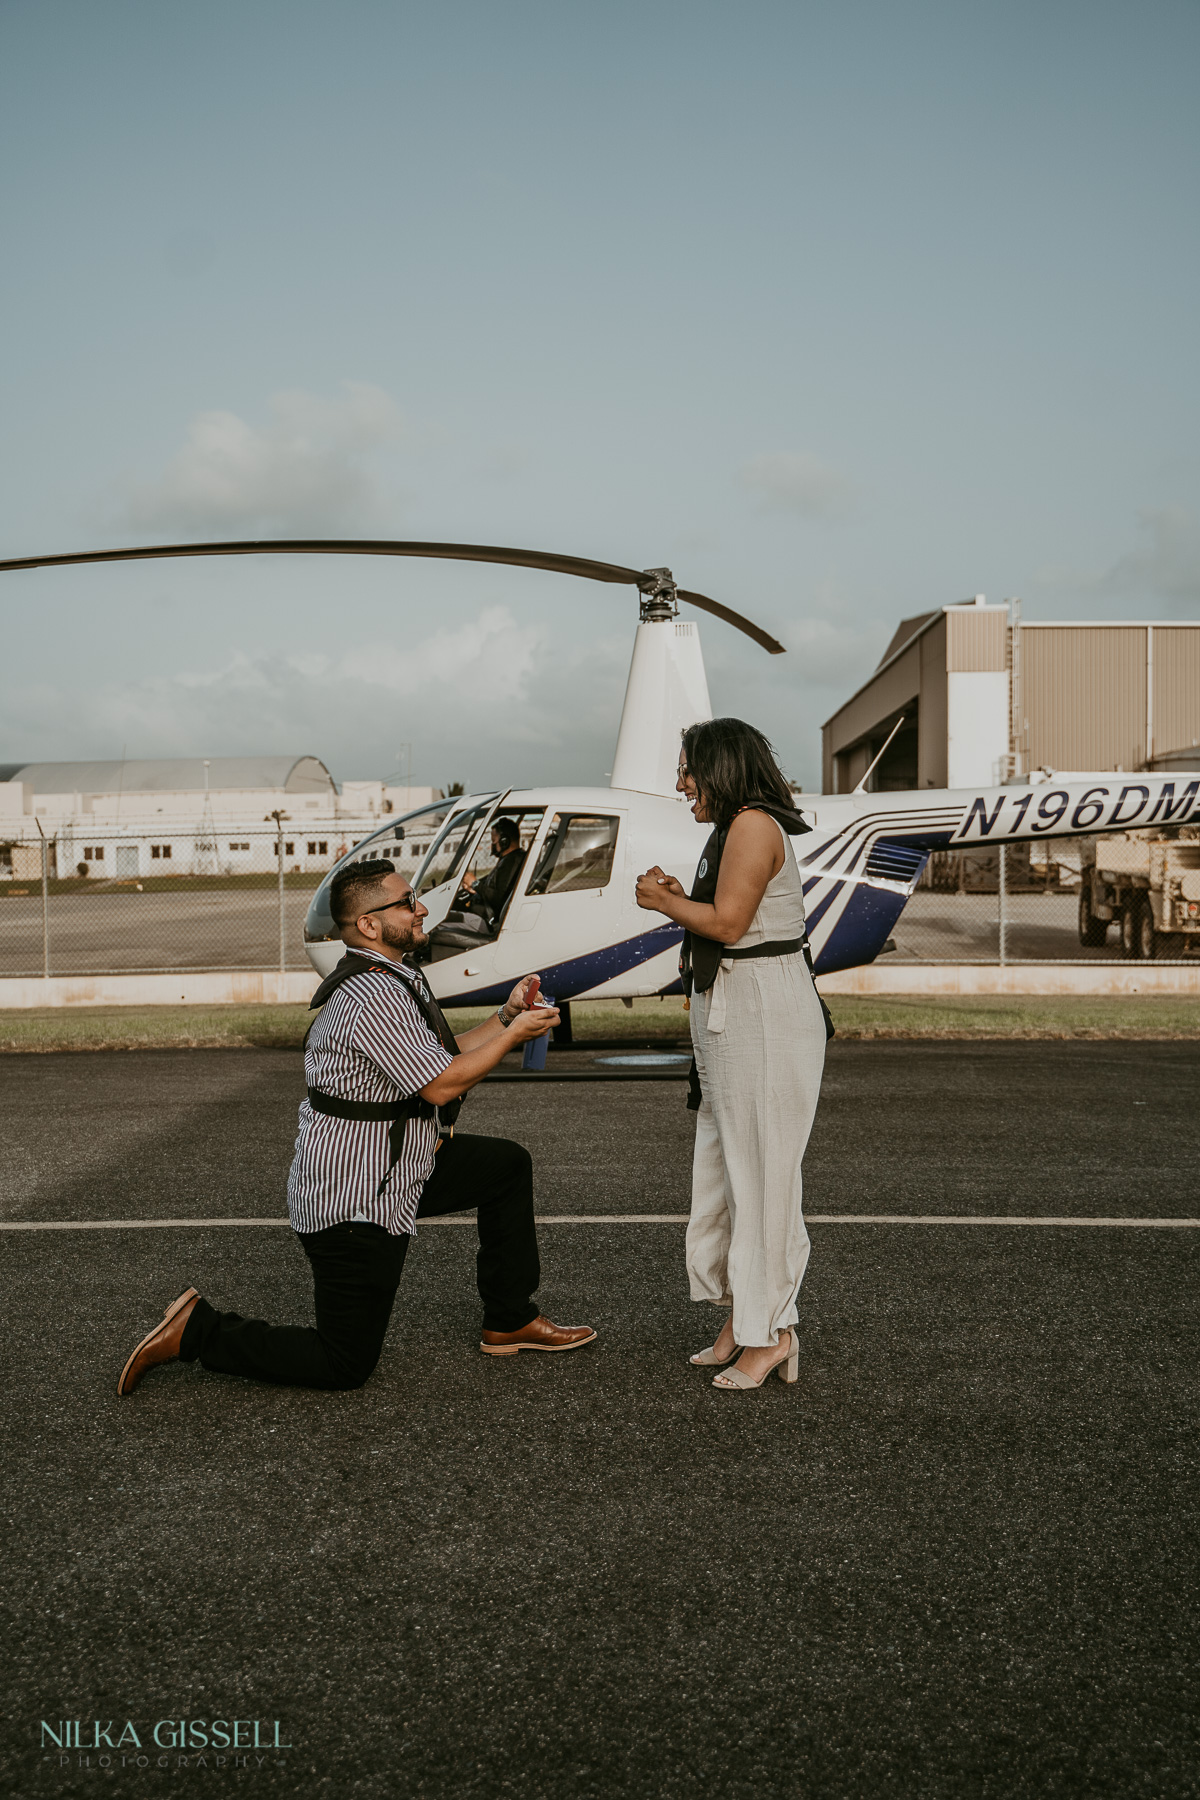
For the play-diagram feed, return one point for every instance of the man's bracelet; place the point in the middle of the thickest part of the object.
(502, 1015)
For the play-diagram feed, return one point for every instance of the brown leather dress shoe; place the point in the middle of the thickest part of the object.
(160, 1345)
(539, 1334)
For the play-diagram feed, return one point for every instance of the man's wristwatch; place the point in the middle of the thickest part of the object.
(502, 1015)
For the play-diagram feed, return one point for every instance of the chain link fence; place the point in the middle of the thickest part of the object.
(103, 904)
(1043, 902)
(235, 899)
(993, 906)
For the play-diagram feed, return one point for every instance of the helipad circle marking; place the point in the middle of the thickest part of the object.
(652, 1060)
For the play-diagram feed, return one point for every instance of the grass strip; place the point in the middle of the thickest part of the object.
(1016, 1016)
(47, 1029)
(53, 1028)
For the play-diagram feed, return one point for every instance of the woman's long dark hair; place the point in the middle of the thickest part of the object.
(733, 765)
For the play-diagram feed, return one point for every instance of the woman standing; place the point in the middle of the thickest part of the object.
(758, 1033)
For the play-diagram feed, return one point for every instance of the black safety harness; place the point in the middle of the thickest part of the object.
(700, 958)
(395, 1113)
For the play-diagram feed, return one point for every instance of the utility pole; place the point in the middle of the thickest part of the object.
(279, 817)
(45, 900)
(1017, 746)
(207, 841)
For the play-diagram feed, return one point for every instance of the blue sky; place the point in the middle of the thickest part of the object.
(843, 312)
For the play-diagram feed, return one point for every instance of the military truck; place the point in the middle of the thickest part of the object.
(1147, 884)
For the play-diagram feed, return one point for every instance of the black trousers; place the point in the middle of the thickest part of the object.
(356, 1270)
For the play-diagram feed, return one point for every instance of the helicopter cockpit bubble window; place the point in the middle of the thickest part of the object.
(579, 853)
(402, 841)
(450, 849)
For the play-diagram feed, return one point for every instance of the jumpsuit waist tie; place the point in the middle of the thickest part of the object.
(714, 1019)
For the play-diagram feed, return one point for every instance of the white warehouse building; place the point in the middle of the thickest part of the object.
(181, 816)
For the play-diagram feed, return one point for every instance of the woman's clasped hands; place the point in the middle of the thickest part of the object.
(656, 890)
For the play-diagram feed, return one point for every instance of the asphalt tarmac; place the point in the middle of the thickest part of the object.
(958, 1559)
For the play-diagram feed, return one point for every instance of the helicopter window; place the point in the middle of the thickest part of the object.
(579, 853)
(450, 848)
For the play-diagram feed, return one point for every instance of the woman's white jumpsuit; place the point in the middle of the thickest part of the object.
(759, 1041)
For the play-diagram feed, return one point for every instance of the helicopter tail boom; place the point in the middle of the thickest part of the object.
(869, 850)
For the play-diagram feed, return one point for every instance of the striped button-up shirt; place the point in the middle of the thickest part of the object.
(369, 1042)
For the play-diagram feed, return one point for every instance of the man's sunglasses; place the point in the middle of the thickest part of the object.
(409, 900)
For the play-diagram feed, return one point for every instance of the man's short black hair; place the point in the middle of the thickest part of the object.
(355, 889)
(508, 831)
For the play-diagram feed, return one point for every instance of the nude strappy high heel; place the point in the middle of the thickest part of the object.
(708, 1359)
(788, 1369)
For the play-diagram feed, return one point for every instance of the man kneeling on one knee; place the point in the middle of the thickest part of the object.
(375, 1154)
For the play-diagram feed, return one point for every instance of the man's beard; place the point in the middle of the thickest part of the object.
(401, 937)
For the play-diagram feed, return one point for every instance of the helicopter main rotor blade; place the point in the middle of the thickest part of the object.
(583, 566)
(770, 644)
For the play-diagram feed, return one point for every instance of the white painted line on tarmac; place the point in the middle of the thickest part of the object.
(123, 1224)
(634, 1219)
(993, 1219)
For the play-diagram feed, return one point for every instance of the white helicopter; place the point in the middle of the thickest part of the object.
(570, 912)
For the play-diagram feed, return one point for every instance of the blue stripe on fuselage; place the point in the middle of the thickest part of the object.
(861, 930)
(567, 979)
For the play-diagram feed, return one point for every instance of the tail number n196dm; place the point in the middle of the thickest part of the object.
(1063, 810)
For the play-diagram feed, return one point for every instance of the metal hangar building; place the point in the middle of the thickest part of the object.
(986, 698)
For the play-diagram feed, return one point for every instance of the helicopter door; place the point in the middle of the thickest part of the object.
(487, 883)
(438, 878)
(572, 902)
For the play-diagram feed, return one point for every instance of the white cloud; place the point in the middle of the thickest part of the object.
(793, 481)
(483, 667)
(490, 656)
(307, 470)
(488, 701)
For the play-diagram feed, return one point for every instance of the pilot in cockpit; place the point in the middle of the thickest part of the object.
(491, 891)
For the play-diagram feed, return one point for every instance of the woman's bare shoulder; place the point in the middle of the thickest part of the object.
(753, 826)
(756, 834)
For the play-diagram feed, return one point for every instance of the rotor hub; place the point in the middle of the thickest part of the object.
(660, 596)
